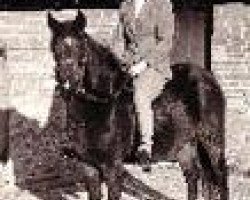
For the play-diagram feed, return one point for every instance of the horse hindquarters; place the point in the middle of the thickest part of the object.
(212, 138)
(214, 190)
(211, 146)
(214, 181)
(214, 171)
(183, 146)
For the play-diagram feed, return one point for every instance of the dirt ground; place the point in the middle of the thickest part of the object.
(165, 177)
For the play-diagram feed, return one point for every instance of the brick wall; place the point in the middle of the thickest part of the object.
(30, 67)
(30, 64)
(231, 62)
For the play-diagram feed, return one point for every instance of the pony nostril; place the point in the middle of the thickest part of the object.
(57, 74)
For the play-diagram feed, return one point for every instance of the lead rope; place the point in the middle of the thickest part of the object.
(67, 117)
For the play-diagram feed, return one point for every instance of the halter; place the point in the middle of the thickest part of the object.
(68, 91)
(83, 94)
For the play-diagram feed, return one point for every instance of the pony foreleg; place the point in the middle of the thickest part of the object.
(114, 180)
(92, 180)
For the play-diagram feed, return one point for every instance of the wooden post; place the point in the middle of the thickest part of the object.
(192, 39)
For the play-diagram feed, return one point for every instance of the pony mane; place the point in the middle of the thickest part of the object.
(121, 79)
(104, 53)
(187, 79)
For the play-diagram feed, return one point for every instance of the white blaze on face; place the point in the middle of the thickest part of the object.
(68, 41)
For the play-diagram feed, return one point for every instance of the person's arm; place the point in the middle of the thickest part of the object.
(135, 64)
(131, 58)
(163, 29)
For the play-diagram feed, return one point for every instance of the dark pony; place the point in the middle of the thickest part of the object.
(99, 97)
(189, 116)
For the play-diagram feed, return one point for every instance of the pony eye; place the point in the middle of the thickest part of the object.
(81, 63)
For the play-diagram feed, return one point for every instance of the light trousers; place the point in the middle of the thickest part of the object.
(148, 85)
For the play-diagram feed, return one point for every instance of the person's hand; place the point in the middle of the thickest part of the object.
(138, 68)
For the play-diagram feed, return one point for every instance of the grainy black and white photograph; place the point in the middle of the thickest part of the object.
(125, 100)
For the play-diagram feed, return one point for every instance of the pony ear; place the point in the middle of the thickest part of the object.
(52, 22)
(80, 21)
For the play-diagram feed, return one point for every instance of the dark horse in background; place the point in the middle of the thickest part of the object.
(100, 104)
(192, 105)
(189, 115)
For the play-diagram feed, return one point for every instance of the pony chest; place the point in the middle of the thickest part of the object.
(99, 79)
(92, 113)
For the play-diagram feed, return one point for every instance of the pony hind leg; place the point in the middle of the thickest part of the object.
(214, 176)
(188, 162)
(192, 184)
(211, 191)
(215, 190)
(220, 190)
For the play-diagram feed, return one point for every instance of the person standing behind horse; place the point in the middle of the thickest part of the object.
(148, 27)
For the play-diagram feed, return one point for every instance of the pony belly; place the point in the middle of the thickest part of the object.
(164, 134)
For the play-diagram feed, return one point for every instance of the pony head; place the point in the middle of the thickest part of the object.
(67, 46)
